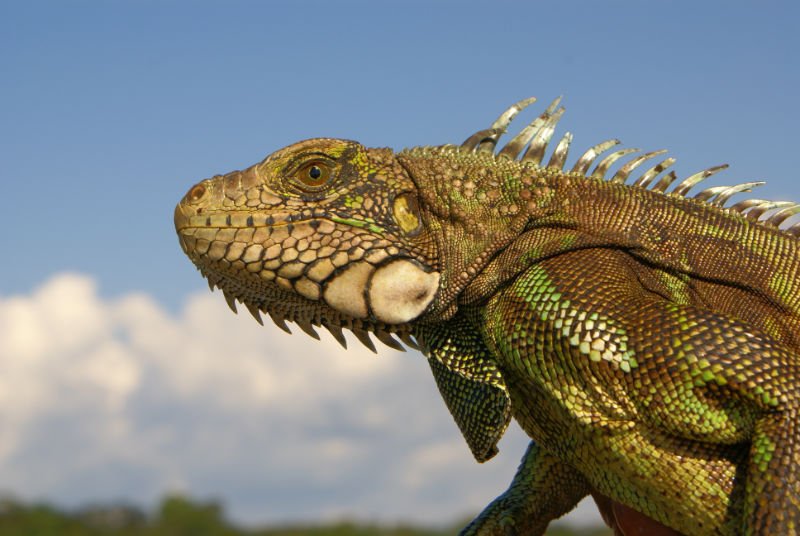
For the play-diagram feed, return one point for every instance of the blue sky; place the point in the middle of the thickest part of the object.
(112, 110)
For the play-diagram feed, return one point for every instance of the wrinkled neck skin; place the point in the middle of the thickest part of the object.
(474, 207)
(493, 218)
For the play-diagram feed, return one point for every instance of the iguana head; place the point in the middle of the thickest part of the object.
(324, 232)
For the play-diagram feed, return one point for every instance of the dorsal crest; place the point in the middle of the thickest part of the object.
(530, 145)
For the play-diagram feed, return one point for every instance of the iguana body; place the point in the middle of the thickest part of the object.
(647, 342)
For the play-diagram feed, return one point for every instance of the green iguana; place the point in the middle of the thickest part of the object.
(646, 341)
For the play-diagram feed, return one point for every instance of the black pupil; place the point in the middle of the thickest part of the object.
(314, 172)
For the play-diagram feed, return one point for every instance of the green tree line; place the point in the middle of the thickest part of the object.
(180, 516)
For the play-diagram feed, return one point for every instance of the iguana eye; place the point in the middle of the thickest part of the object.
(313, 175)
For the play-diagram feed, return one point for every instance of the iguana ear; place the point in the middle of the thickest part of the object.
(469, 382)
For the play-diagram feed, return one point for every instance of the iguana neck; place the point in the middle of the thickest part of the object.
(473, 206)
(493, 218)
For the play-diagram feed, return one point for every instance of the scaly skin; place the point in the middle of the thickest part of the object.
(647, 342)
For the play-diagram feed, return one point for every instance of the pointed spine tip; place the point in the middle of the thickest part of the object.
(251, 307)
(783, 214)
(408, 340)
(588, 157)
(686, 184)
(230, 300)
(388, 340)
(363, 336)
(306, 326)
(336, 333)
(280, 322)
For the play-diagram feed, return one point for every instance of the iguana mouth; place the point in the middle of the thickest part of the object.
(283, 305)
(314, 272)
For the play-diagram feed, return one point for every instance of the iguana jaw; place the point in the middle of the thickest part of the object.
(313, 271)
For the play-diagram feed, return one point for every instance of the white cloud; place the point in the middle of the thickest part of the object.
(105, 399)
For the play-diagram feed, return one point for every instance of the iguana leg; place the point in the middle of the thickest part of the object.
(542, 490)
(735, 381)
(773, 477)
